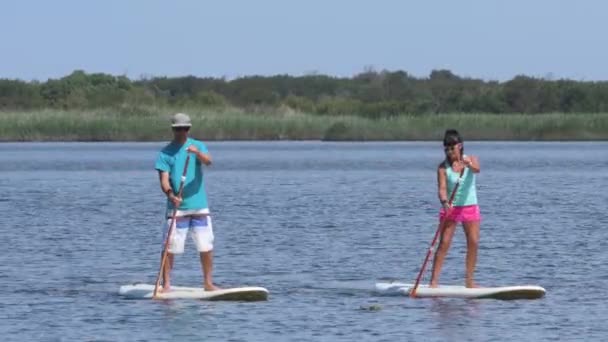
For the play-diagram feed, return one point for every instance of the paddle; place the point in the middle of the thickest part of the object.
(439, 229)
(173, 218)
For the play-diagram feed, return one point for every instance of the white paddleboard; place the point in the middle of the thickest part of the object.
(499, 292)
(146, 291)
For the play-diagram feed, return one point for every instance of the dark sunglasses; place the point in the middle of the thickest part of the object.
(449, 147)
(181, 129)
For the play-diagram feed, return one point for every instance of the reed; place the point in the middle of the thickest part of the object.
(152, 124)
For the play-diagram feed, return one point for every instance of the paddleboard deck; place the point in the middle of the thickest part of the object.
(455, 291)
(146, 291)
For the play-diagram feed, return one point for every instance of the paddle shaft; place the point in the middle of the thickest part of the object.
(437, 233)
(170, 231)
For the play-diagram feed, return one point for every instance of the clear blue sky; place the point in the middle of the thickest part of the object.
(490, 39)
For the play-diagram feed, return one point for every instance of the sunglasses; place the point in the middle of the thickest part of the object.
(450, 147)
(181, 129)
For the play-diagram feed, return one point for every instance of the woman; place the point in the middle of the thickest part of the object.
(464, 208)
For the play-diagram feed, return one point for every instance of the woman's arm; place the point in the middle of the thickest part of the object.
(472, 163)
(442, 188)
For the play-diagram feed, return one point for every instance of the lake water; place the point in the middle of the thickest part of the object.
(317, 224)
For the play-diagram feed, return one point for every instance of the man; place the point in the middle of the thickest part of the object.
(193, 214)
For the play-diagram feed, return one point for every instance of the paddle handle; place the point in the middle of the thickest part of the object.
(170, 230)
(437, 233)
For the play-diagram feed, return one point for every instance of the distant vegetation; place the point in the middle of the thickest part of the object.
(373, 105)
(371, 94)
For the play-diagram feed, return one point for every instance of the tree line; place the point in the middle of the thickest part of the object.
(370, 93)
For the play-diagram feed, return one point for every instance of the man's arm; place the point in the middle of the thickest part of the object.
(203, 157)
(165, 184)
(163, 167)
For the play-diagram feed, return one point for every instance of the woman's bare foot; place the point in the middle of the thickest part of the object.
(434, 284)
(165, 288)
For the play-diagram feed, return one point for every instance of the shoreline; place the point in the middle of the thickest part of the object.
(57, 141)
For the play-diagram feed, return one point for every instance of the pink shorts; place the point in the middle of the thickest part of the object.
(467, 213)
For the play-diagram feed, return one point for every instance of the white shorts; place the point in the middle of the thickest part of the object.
(200, 229)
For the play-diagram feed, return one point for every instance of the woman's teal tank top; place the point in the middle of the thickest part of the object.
(467, 192)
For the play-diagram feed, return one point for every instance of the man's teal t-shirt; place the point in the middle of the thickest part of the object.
(172, 159)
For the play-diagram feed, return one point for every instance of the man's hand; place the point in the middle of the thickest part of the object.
(204, 158)
(192, 149)
(175, 200)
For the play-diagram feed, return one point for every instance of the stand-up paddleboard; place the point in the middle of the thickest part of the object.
(146, 291)
(455, 291)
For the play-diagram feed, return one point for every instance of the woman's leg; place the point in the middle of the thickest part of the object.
(444, 245)
(471, 230)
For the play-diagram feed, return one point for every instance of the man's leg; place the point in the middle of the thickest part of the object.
(176, 246)
(202, 234)
(207, 265)
(166, 274)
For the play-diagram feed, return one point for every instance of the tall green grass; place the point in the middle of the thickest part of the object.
(152, 124)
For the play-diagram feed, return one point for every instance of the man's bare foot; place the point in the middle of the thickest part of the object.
(211, 287)
(434, 285)
(470, 284)
(165, 288)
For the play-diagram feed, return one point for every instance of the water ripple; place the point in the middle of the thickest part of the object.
(315, 223)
